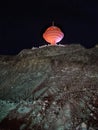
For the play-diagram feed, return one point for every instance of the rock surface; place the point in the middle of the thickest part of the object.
(49, 88)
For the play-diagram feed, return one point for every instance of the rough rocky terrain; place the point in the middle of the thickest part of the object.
(49, 88)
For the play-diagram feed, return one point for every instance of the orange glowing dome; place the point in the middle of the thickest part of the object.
(53, 35)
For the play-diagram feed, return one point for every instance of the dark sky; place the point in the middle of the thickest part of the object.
(23, 23)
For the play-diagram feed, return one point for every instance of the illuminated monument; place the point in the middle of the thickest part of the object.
(53, 34)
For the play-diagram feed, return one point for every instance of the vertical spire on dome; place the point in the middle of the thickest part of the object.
(52, 23)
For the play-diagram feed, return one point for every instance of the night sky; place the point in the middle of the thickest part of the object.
(23, 23)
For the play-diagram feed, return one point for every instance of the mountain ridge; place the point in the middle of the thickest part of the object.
(57, 83)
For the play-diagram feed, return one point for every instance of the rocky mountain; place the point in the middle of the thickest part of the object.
(49, 88)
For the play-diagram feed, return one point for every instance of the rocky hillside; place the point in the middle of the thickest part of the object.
(49, 88)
